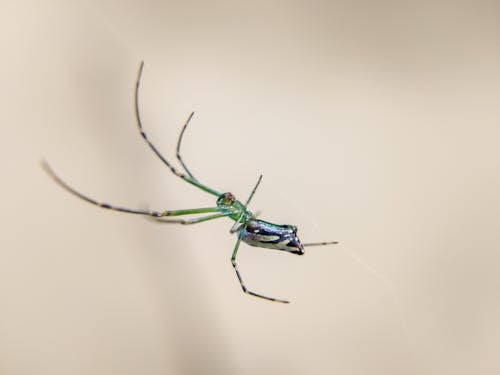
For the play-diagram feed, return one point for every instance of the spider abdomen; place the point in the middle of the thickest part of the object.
(261, 233)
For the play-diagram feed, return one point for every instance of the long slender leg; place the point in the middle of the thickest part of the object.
(185, 177)
(179, 141)
(57, 179)
(253, 191)
(320, 243)
(195, 220)
(236, 226)
(235, 266)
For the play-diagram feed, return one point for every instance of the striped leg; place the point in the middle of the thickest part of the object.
(235, 266)
(179, 141)
(188, 177)
(152, 213)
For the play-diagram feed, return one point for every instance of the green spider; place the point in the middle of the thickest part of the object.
(250, 230)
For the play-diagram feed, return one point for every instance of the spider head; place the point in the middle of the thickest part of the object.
(226, 200)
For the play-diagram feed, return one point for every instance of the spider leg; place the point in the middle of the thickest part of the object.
(243, 286)
(186, 177)
(195, 220)
(152, 213)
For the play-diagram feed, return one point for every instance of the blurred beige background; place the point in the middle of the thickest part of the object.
(374, 123)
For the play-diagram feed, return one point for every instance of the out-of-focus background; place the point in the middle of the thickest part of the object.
(376, 124)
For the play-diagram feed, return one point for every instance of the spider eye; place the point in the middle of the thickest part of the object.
(226, 199)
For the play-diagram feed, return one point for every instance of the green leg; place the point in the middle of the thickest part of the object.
(188, 212)
(189, 221)
(235, 266)
(237, 226)
(186, 177)
(108, 206)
